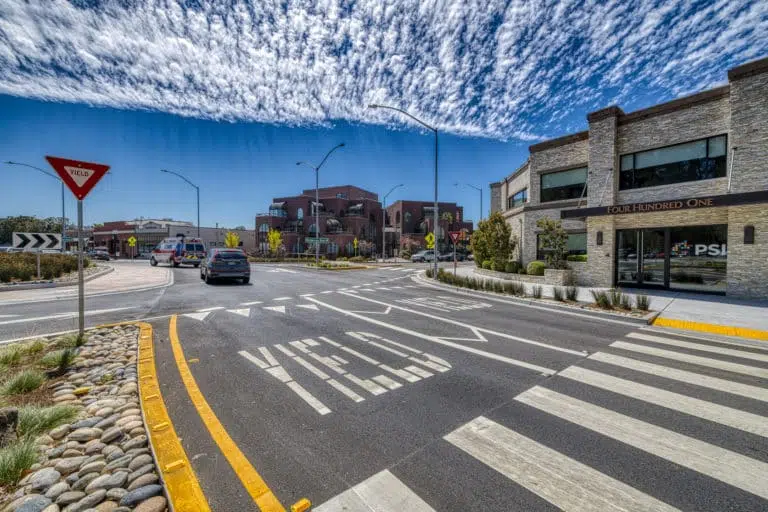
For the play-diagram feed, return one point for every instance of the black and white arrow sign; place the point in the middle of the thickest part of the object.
(37, 241)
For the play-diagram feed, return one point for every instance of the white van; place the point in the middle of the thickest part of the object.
(179, 251)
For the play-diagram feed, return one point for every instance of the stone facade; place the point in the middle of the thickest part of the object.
(737, 110)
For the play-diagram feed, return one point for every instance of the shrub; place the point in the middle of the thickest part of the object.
(357, 259)
(72, 341)
(571, 292)
(601, 299)
(615, 295)
(523, 270)
(487, 264)
(643, 302)
(429, 272)
(11, 355)
(519, 289)
(536, 268)
(59, 359)
(493, 240)
(558, 294)
(34, 420)
(576, 257)
(34, 347)
(22, 382)
(626, 302)
(498, 286)
(537, 291)
(512, 267)
(15, 459)
(555, 238)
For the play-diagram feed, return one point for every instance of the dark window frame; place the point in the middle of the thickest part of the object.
(628, 179)
(511, 199)
(541, 252)
(582, 191)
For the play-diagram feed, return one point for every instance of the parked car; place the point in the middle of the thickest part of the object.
(225, 264)
(99, 255)
(422, 256)
(178, 251)
(446, 256)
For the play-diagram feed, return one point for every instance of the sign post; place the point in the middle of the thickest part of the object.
(132, 245)
(80, 177)
(454, 238)
(355, 242)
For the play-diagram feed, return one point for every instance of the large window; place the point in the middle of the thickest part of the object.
(518, 199)
(570, 184)
(698, 160)
(577, 244)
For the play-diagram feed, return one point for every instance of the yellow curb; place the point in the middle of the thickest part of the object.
(250, 478)
(181, 483)
(725, 330)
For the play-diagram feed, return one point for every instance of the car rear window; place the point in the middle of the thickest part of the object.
(230, 255)
(195, 247)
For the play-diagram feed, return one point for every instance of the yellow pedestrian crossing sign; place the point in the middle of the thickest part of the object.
(355, 242)
(132, 241)
(430, 239)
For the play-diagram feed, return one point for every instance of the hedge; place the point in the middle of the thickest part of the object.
(536, 268)
(23, 266)
(577, 257)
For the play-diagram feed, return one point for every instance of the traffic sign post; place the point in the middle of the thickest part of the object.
(355, 243)
(80, 178)
(430, 240)
(37, 241)
(454, 238)
(132, 245)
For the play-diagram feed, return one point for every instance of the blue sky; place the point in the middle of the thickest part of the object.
(233, 93)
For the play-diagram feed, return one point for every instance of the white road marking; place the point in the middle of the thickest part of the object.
(280, 374)
(307, 295)
(382, 492)
(252, 303)
(400, 373)
(285, 350)
(268, 356)
(310, 342)
(699, 346)
(728, 416)
(283, 270)
(386, 382)
(361, 356)
(63, 316)
(327, 361)
(309, 398)
(383, 288)
(312, 368)
(382, 347)
(326, 291)
(430, 364)
(242, 312)
(687, 358)
(562, 481)
(345, 390)
(404, 347)
(299, 346)
(357, 286)
(705, 381)
(279, 309)
(255, 360)
(366, 384)
(330, 341)
(439, 341)
(9, 316)
(732, 468)
(307, 306)
(215, 308)
(283, 298)
(418, 371)
(197, 316)
(340, 360)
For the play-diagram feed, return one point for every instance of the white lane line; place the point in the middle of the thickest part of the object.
(255, 360)
(268, 356)
(727, 416)
(63, 316)
(312, 368)
(472, 327)
(197, 316)
(562, 481)
(404, 347)
(705, 381)
(283, 298)
(357, 286)
(308, 306)
(327, 361)
(215, 308)
(383, 288)
(688, 358)
(699, 346)
(382, 492)
(366, 384)
(430, 364)
(359, 355)
(439, 341)
(340, 360)
(242, 312)
(326, 291)
(278, 309)
(386, 382)
(329, 341)
(308, 397)
(406, 376)
(307, 295)
(310, 342)
(285, 350)
(299, 346)
(732, 468)
(382, 347)
(418, 371)
(252, 303)
(345, 390)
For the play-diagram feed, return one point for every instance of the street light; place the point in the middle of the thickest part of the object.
(384, 222)
(62, 194)
(434, 130)
(479, 189)
(317, 198)
(198, 196)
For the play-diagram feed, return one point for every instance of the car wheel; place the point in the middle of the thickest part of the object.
(201, 274)
(196, 265)
(153, 262)
(208, 279)
(246, 280)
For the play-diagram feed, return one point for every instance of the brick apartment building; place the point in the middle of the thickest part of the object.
(346, 212)
(410, 221)
(674, 196)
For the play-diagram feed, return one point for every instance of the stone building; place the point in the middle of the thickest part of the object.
(674, 196)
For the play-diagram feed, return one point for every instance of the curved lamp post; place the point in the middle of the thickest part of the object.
(384, 222)
(434, 130)
(317, 197)
(62, 195)
(479, 189)
(197, 189)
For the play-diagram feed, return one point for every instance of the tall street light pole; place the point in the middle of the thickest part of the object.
(62, 195)
(434, 130)
(317, 197)
(479, 189)
(384, 222)
(197, 189)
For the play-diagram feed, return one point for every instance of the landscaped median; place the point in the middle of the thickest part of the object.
(72, 434)
(327, 265)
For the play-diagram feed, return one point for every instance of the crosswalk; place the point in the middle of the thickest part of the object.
(691, 413)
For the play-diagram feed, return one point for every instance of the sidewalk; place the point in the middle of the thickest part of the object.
(126, 276)
(714, 314)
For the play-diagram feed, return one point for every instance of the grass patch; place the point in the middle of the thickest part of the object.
(15, 459)
(22, 382)
(59, 359)
(601, 299)
(11, 355)
(34, 420)
(72, 341)
(34, 347)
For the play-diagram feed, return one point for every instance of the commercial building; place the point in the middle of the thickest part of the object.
(409, 221)
(674, 196)
(346, 213)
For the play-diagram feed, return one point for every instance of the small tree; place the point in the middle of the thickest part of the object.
(275, 239)
(232, 240)
(493, 241)
(553, 238)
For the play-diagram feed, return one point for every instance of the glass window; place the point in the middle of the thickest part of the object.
(230, 255)
(698, 160)
(577, 244)
(300, 213)
(570, 184)
(518, 199)
(698, 258)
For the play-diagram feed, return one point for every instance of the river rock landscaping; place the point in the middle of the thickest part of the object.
(72, 436)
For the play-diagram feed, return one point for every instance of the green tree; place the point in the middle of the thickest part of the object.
(240, 228)
(231, 240)
(554, 239)
(27, 224)
(275, 239)
(493, 241)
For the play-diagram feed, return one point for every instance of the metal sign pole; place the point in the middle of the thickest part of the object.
(80, 280)
(454, 257)
(38, 264)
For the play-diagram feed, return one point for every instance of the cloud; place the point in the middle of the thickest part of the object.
(513, 69)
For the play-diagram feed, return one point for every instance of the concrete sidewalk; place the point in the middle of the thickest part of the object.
(126, 276)
(714, 314)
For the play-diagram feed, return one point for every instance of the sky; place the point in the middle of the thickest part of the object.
(232, 93)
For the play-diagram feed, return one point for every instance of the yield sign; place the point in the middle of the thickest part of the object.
(455, 235)
(80, 177)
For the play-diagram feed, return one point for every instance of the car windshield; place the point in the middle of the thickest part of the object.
(195, 247)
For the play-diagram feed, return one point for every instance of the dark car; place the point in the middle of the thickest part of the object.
(225, 264)
(99, 255)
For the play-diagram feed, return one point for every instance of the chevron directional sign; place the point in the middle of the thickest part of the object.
(37, 241)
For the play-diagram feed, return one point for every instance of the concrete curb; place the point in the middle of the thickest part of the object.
(600, 315)
(52, 284)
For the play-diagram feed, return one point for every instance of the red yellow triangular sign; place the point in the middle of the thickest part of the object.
(80, 177)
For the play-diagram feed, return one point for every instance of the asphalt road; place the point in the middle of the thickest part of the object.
(367, 390)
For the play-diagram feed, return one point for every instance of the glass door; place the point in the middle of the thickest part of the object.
(653, 257)
(627, 256)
